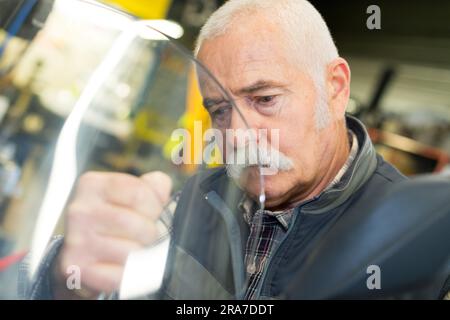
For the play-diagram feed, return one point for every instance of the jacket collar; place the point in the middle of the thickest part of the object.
(356, 176)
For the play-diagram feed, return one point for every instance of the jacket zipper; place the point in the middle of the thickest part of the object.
(264, 275)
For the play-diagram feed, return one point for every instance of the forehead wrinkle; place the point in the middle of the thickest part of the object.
(237, 60)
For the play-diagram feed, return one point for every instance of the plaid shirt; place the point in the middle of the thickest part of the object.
(274, 225)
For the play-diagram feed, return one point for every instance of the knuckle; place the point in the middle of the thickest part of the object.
(128, 188)
(75, 220)
(74, 210)
(89, 179)
(140, 193)
(80, 215)
(117, 218)
(121, 180)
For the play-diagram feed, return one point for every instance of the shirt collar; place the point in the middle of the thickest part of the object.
(354, 147)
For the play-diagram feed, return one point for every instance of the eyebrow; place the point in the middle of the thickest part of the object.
(258, 86)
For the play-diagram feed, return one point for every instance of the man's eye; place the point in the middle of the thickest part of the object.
(266, 100)
(219, 112)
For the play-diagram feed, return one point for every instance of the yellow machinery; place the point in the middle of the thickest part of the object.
(145, 9)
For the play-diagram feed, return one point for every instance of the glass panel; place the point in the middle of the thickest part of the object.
(127, 106)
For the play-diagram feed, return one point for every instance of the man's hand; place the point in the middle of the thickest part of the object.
(111, 215)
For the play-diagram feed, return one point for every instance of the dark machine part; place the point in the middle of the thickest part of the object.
(383, 84)
(405, 151)
(406, 235)
(34, 13)
(370, 113)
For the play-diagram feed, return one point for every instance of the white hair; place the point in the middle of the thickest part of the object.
(306, 31)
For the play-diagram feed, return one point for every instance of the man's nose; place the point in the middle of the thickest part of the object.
(240, 131)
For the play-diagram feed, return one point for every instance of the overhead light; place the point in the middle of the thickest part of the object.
(167, 27)
(105, 16)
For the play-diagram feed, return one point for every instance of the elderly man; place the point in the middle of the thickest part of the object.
(278, 62)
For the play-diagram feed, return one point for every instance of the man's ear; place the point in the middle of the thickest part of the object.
(338, 85)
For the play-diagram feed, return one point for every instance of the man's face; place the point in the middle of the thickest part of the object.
(271, 92)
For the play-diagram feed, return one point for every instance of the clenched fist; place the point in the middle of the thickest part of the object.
(110, 215)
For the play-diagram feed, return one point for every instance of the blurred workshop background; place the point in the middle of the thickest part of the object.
(49, 48)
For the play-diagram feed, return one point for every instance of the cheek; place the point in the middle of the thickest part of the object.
(297, 123)
(299, 114)
(300, 144)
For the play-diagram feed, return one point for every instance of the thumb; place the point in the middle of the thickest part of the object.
(160, 183)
